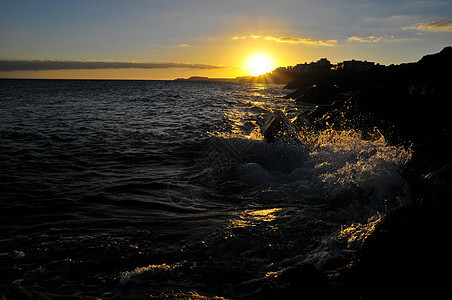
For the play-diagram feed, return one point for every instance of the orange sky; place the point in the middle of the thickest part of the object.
(220, 34)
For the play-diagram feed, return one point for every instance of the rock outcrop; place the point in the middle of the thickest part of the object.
(408, 103)
(405, 256)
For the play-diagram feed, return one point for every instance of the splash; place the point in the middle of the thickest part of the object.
(139, 273)
(338, 180)
(344, 160)
(333, 164)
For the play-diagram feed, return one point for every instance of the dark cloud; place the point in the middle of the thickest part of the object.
(41, 65)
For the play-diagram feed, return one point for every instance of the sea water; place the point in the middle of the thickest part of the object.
(119, 189)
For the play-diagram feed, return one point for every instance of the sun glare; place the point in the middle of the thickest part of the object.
(259, 64)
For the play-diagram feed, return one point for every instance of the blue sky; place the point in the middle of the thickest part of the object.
(218, 33)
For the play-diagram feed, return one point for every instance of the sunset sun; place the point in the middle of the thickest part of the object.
(259, 64)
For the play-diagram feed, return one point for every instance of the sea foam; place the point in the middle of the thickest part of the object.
(349, 180)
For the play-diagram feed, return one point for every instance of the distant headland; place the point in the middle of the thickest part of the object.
(202, 78)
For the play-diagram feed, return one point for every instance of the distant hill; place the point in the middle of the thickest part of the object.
(202, 78)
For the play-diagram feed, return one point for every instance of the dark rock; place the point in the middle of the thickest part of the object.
(321, 94)
(298, 281)
(277, 126)
(400, 258)
(404, 257)
(294, 84)
(301, 281)
(431, 61)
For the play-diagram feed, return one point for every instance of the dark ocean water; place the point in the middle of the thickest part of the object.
(120, 189)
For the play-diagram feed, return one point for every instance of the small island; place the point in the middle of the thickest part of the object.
(202, 78)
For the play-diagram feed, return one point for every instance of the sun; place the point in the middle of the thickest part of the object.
(259, 64)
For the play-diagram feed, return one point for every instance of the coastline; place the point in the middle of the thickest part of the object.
(399, 258)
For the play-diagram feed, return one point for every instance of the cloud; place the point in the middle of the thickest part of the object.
(445, 26)
(289, 40)
(242, 37)
(292, 40)
(41, 65)
(375, 39)
(360, 39)
(428, 3)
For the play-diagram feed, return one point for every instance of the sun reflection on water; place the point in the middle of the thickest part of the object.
(254, 217)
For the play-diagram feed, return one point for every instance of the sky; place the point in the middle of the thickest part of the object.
(167, 39)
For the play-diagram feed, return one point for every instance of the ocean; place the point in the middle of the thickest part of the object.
(121, 189)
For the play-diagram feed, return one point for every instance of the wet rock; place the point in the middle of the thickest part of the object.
(300, 281)
(319, 94)
(404, 257)
(294, 281)
(438, 188)
(401, 257)
(277, 127)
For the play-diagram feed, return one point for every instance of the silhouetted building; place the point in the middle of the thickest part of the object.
(322, 65)
(356, 65)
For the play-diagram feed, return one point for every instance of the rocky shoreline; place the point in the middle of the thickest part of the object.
(404, 256)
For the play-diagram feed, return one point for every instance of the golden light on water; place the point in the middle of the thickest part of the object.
(253, 217)
(265, 215)
(259, 63)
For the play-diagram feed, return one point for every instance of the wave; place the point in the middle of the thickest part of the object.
(339, 180)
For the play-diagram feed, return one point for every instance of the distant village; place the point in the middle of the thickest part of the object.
(286, 74)
(323, 65)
